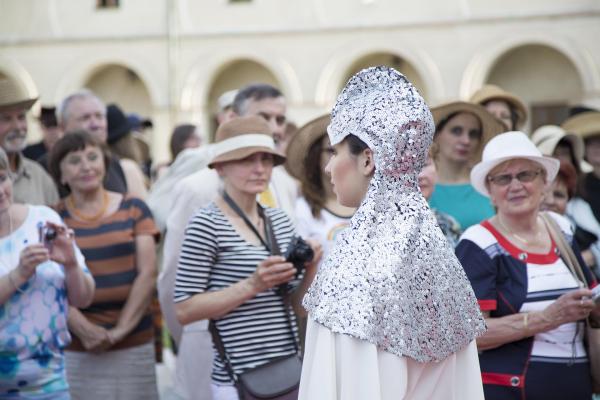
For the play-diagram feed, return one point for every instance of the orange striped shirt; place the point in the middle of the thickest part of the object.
(110, 253)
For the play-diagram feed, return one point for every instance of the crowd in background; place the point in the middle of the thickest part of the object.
(204, 233)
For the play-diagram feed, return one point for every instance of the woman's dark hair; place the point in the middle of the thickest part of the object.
(312, 187)
(355, 145)
(567, 175)
(180, 135)
(566, 143)
(443, 122)
(70, 142)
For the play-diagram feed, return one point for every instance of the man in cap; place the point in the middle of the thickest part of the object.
(225, 103)
(51, 132)
(196, 191)
(84, 110)
(31, 184)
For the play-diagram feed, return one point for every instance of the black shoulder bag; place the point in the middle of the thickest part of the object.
(278, 379)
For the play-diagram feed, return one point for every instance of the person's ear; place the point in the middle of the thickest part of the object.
(367, 162)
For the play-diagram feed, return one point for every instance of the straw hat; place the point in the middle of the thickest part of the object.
(241, 137)
(509, 146)
(12, 96)
(301, 142)
(493, 92)
(547, 137)
(490, 126)
(584, 125)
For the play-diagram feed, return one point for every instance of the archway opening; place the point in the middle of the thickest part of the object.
(389, 60)
(233, 76)
(545, 78)
(119, 84)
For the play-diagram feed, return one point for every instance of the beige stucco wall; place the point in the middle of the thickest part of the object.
(183, 50)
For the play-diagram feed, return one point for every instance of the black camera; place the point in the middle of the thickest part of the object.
(298, 253)
(47, 234)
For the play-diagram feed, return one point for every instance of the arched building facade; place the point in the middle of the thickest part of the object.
(175, 61)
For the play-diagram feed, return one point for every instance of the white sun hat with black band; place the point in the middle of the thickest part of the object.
(509, 146)
(241, 137)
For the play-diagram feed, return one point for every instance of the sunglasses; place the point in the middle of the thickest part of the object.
(523, 177)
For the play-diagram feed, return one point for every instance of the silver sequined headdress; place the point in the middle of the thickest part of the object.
(392, 278)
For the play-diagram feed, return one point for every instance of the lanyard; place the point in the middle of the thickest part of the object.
(261, 213)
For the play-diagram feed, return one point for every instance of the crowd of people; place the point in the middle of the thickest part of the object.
(425, 242)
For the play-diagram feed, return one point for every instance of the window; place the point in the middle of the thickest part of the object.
(107, 4)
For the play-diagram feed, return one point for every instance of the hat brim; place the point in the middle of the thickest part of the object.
(241, 153)
(480, 171)
(26, 104)
(584, 125)
(490, 126)
(547, 145)
(300, 144)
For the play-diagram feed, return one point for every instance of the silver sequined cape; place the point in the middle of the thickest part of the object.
(392, 279)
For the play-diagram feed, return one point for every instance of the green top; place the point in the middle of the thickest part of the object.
(462, 202)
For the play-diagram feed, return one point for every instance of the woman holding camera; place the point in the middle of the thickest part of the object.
(112, 354)
(227, 272)
(533, 304)
(42, 272)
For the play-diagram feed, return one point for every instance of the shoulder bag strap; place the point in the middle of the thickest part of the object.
(564, 248)
(216, 337)
(275, 250)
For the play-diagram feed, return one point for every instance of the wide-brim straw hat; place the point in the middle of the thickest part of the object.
(241, 137)
(12, 96)
(547, 137)
(301, 142)
(493, 92)
(584, 125)
(510, 146)
(490, 126)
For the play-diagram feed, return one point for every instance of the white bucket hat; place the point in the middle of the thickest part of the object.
(547, 137)
(509, 146)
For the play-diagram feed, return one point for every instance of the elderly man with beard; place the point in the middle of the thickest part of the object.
(31, 184)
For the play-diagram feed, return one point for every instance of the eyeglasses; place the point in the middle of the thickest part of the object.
(523, 177)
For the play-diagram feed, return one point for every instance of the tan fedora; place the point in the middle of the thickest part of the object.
(12, 96)
(490, 126)
(300, 144)
(241, 137)
(584, 125)
(493, 92)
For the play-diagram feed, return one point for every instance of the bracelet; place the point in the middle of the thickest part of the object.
(17, 288)
(526, 320)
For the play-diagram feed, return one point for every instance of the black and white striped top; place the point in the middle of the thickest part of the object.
(213, 257)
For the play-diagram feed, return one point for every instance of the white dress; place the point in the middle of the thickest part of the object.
(340, 367)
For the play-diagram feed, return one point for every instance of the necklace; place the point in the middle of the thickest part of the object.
(538, 235)
(88, 218)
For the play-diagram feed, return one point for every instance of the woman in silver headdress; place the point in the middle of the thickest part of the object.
(391, 312)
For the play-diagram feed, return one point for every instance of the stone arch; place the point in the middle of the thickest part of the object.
(206, 82)
(416, 65)
(547, 73)
(116, 83)
(79, 74)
